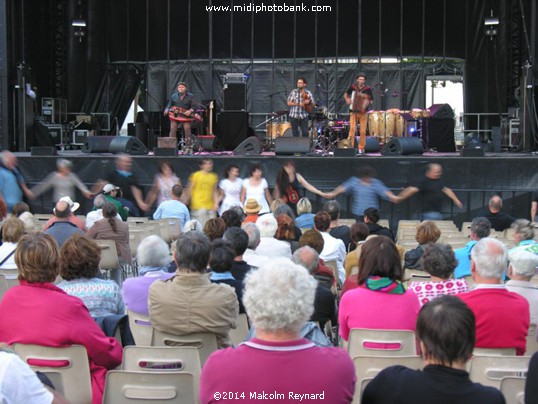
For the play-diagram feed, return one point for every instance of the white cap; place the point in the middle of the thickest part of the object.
(109, 188)
(73, 205)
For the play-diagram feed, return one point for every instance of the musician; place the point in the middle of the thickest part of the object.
(359, 97)
(301, 102)
(184, 100)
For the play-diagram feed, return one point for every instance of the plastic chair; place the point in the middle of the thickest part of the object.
(494, 351)
(205, 342)
(170, 229)
(70, 373)
(489, 370)
(238, 334)
(124, 387)
(367, 367)
(163, 359)
(513, 389)
(532, 344)
(402, 343)
(141, 328)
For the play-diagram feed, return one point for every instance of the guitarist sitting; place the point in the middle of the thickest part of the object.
(301, 102)
(184, 112)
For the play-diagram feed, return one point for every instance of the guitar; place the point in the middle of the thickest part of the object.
(177, 114)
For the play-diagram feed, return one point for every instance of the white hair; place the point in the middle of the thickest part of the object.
(279, 296)
(307, 257)
(63, 163)
(153, 252)
(253, 234)
(523, 262)
(267, 225)
(490, 257)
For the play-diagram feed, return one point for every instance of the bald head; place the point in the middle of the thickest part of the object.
(306, 257)
(495, 204)
(62, 210)
(434, 171)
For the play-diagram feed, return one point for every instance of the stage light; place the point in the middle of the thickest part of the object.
(490, 25)
(79, 23)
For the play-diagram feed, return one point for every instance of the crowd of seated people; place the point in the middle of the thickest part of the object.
(271, 266)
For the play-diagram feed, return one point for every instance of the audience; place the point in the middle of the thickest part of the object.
(12, 231)
(371, 217)
(357, 234)
(21, 210)
(498, 219)
(324, 304)
(337, 230)
(251, 257)
(214, 228)
(446, 334)
(153, 256)
(333, 248)
(97, 214)
(523, 232)
(239, 239)
(173, 207)
(439, 261)
(502, 317)
(79, 269)
(252, 208)
(305, 217)
(381, 300)
(189, 302)
(221, 264)
(112, 193)
(523, 263)
(427, 232)
(269, 246)
(73, 206)
(286, 231)
(61, 229)
(279, 299)
(324, 274)
(480, 228)
(232, 218)
(38, 312)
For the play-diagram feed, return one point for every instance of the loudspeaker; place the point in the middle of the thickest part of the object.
(344, 152)
(251, 145)
(43, 151)
(205, 143)
(441, 111)
(292, 145)
(232, 129)
(127, 144)
(403, 146)
(235, 97)
(372, 145)
(441, 135)
(472, 151)
(164, 152)
(97, 144)
(114, 144)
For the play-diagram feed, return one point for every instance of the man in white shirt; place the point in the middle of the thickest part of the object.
(269, 246)
(333, 248)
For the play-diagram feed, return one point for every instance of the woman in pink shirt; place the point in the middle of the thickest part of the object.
(380, 301)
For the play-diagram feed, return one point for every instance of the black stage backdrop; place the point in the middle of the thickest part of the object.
(158, 42)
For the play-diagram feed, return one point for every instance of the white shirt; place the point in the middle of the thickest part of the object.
(270, 247)
(257, 192)
(334, 250)
(94, 216)
(5, 250)
(530, 292)
(19, 384)
(253, 259)
(232, 194)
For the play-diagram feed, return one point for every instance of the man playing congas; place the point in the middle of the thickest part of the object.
(359, 97)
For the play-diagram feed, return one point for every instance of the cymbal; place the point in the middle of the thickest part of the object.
(280, 113)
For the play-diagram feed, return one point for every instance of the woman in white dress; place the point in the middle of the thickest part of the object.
(256, 187)
(230, 187)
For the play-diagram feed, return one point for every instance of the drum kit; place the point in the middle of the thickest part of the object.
(328, 132)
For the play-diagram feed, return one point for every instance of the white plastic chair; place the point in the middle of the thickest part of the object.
(141, 328)
(489, 370)
(403, 341)
(205, 342)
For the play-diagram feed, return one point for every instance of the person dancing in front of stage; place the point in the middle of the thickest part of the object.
(301, 102)
(182, 99)
(359, 97)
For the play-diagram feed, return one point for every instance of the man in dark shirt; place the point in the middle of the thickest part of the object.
(239, 240)
(182, 99)
(498, 219)
(337, 230)
(324, 303)
(62, 228)
(433, 192)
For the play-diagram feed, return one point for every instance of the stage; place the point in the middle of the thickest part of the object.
(474, 179)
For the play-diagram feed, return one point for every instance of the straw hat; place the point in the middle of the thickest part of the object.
(252, 206)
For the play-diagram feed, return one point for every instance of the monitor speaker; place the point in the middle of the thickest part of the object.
(292, 145)
(250, 145)
(441, 111)
(127, 144)
(205, 143)
(43, 151)
(164, 152)
(97, 144)
(403, 146)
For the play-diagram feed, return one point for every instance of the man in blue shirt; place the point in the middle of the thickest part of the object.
(365, 191)
(12, 184)
(173, 208)
(480, 228)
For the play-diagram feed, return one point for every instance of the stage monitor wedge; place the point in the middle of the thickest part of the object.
(251, 145)
(403, 146)
(292, 145)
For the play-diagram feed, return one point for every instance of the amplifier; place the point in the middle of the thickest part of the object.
(80, 136)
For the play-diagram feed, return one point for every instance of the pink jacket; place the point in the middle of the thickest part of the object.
(43, 314)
